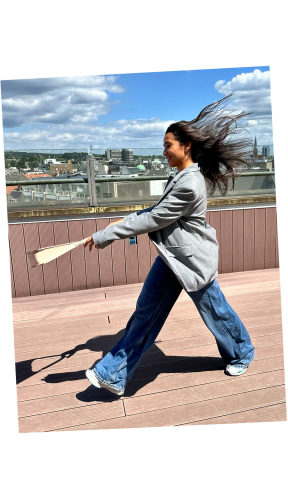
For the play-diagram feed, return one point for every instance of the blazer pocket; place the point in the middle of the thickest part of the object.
(178, 252)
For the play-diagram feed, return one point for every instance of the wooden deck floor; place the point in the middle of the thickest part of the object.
(180, 381)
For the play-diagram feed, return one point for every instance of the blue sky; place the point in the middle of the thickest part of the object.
(128, 110)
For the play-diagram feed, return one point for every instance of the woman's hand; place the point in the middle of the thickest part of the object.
(91, 243)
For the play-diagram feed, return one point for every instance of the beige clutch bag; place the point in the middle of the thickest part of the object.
(44, 255)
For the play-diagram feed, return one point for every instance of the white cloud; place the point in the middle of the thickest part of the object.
(253, 95)
(57, 100)
(122, 133)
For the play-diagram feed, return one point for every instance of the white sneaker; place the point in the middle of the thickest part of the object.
(90, 374)
(236, 370)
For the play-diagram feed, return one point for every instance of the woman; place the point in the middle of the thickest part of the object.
(187, 247)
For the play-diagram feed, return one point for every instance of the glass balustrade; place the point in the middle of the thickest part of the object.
(122, 177)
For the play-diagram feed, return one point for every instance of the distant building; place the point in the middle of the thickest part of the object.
(50, 160)
(266, 151)
(116, 154)
(128, 171)
(113, 154)
(61, 168)
(36, 174)
(102, 169)
(127, 155)
(108, 154)
(263, 164)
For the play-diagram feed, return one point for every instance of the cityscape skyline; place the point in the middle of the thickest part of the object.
(137, 151)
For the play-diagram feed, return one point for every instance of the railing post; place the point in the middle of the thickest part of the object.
(91, 181)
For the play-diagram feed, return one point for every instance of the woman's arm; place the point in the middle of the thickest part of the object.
(176, 204)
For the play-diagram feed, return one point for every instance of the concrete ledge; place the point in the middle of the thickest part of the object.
(26, 214)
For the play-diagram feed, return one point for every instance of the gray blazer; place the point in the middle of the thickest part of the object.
(177, 227)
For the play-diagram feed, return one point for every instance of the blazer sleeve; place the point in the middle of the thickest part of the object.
(176, 204)
(134, 214)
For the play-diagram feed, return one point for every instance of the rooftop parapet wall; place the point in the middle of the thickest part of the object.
(247, 239)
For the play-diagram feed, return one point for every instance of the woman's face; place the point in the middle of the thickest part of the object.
(173, 151)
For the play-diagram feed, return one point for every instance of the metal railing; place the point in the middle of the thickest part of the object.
(45, 180)
(47, 193)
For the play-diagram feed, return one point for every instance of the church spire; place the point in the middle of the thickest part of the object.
(255, 149)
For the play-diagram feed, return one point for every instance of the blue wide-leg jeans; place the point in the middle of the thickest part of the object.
(158, 295)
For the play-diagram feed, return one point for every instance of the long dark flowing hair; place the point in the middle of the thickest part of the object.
(217, 154)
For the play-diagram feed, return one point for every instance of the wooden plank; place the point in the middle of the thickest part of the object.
(71, 417)
(154, 361)
(165, 396)
(273, 413)
(215, 221)
(270, 240)
(120, 308)
(144, 257)
(91, 258)
(26, 322)
(13, 294)
(35, 275)
(82, 305)
(19, 260)
(188, 395)
(226, 241)
(62, 402)
(167, 382)
(77, 255)
(209, 350)
(50, 271)
(249, 240)
(250, 289)
(71, 325)
(64, 262)
(131, 259)
(277, 243)
(269, 274)
(101, 305)
(118, 261)
(260, 236)
(193, 315)
(105, 258)
(97, 305)
(105, 341)
(66, 338)
(194, 412)
(238, 240)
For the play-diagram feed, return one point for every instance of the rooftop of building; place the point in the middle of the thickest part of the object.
(180, 381)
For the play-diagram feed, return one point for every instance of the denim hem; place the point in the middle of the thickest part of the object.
(224, 328)
(245, 365)
(107, 383)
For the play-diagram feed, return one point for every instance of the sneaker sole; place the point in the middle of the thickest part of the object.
(236, 374)
(100, 385)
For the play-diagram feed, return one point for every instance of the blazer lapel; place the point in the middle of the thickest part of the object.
(168, 188)
(172, 179)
